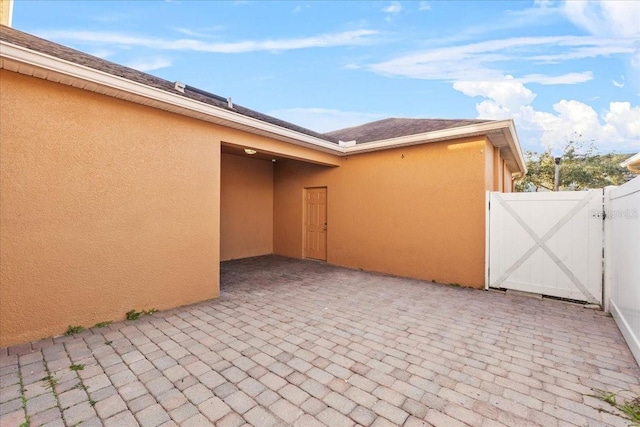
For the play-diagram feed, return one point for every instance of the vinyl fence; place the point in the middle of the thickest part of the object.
(622, 260)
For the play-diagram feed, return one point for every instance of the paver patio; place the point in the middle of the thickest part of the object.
(304, 343)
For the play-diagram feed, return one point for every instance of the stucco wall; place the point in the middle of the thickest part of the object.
(507, 182)
(246, 207)
(105, 206)
(416, 211)
(6, 7)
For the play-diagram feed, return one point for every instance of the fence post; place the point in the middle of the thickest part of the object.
(608, 281)
(487, 230)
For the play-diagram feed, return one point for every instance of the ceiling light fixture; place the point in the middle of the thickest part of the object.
(250, 151)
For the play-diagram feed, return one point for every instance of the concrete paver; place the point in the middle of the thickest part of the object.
(304, 343)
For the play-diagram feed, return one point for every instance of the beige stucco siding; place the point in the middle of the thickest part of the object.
(105, 206)
(246, 207)
(507, 182)
(415, 211)
(6, 7)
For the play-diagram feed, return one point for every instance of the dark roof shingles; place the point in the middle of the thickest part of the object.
(395, 127)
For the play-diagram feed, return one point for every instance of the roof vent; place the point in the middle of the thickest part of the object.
(179, 86)
(229, 103)
(347, 143)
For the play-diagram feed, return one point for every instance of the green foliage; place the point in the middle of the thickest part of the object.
(102, 324)
(78, 367)
(581, 168)
(133, 315)
(81, 386)
(27, 421)
(71, 330)
(631, 407)
(50, 380)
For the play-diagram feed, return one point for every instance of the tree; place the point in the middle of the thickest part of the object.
(580, 169)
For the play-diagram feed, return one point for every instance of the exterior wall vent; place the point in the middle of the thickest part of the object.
(347, 143)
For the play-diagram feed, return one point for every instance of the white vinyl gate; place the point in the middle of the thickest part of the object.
(546, 243)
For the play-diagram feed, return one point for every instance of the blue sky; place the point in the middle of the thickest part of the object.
(562, 70)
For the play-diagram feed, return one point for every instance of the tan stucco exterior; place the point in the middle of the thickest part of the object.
(114, 200)
(6, 12)
(105, 206)
(415, 211)
(246, 207)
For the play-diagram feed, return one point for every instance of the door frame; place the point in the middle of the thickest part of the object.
(304, 216)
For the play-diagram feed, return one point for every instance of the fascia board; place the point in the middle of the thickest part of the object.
(514, 146)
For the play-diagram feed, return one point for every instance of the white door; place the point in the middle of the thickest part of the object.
(547, 243)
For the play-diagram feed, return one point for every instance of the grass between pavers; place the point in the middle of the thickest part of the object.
(27, 418)
(72, 330)
(134, 315)
(630, 407)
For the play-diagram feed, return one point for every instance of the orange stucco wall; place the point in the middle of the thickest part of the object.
(246, 207)
(507, 182)
(105, 206)
(416, 211)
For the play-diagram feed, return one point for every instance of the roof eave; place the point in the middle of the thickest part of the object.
(632, 163)
(505, 127)
(37, 64)
(29, 62)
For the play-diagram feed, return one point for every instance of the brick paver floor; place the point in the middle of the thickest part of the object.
(304, 343)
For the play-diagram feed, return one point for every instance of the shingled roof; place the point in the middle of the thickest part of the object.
(369, 132)
(396, 127)
(19, 38)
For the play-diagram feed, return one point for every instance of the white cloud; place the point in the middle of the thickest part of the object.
(508, 94)
(486, 60)
(617, 128)
(149, 64)
(394, 7)
(605, 18)
(618, 84)
(610, 19)
(346, 38)
(323, 119)
(621, 118)
(201, 34)
(424, 5)
(564, 79)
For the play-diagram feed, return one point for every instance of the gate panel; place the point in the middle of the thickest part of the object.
(547, 243)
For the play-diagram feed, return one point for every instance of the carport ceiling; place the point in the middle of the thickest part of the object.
(239, 151)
